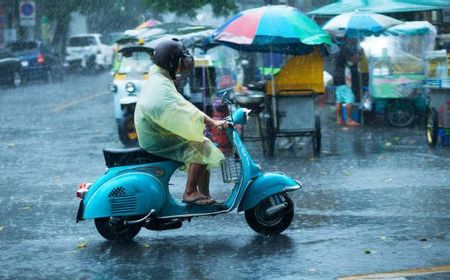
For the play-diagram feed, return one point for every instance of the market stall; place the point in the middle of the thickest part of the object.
(397, 70)
(284, 30)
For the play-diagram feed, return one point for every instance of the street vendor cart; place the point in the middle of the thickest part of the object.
(290, 103)
(397, 70)
(289, 95)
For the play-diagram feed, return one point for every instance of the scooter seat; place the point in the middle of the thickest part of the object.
(129, 156)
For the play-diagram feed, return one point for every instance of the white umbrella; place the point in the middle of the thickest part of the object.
(358, 24)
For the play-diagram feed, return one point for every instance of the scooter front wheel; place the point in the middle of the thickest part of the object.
(261, 222)
(116, 230)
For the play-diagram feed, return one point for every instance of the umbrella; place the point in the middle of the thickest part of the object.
(358, 24)
(272, 29)
(378, 6)
(148, 24)
(278, 28)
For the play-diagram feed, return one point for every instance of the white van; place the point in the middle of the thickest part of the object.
(89, 52)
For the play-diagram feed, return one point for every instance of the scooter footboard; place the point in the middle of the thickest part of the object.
(128, 195)
(265, 186)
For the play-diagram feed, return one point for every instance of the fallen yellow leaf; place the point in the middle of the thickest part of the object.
(347, 174)
(82, 245)
(26, 208)
(146, 245)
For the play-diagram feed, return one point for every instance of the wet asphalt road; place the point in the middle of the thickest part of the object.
(377, 200)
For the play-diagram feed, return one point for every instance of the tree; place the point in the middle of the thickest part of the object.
(112, 15)
(183, 7)
(58, 11)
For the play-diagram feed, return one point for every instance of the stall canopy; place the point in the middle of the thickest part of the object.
(380, 6)
(412, 28)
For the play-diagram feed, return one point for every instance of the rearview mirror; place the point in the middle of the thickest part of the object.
(226, 97)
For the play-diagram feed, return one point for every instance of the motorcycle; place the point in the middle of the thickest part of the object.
(134, 192)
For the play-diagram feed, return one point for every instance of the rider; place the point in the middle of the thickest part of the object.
(169, 126)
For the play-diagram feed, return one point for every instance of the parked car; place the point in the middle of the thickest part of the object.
(38, 60)
(88, 51)
(10, 69)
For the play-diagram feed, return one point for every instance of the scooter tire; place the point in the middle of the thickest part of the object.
(119, 233)
(261, 223)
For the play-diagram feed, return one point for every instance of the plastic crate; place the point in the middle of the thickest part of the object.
(231, 169)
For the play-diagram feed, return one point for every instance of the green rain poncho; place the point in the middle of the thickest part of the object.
(169, 126)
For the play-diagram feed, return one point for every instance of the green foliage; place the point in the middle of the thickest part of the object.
(57, 9)
(113, 15)
(189, 7)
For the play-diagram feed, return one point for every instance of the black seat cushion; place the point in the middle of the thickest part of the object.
(129, 156)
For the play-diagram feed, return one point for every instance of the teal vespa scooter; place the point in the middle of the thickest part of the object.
(134, 192)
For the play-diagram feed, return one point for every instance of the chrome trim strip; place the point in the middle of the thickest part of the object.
(209, 213)
(291, 188)
(299, 182)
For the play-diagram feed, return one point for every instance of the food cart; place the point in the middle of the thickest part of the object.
(289, 107)
(397, 70)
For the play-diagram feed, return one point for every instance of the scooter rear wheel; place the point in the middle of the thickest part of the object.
(260, 222)
(116, 231)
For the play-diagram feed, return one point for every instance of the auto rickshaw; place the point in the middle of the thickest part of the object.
(131, 72)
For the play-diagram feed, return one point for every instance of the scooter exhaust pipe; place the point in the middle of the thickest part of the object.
(140, 220)
(276, 209)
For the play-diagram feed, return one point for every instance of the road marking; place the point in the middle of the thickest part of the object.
(79, 101)
(400, 273)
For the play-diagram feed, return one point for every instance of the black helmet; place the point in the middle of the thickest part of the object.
(173, 56)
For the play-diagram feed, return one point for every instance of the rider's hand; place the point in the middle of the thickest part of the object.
(220, 124)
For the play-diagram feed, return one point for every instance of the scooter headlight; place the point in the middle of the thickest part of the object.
(130, 87)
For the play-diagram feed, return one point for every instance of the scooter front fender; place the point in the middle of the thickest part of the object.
(265, 186)
(129, 194)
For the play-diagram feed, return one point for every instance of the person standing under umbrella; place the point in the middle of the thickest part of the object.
(344, 94)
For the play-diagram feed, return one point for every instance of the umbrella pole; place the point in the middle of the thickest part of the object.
(272, 82)
(360, 86)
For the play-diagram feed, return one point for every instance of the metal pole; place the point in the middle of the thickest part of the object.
(360, 86)
(274, 102)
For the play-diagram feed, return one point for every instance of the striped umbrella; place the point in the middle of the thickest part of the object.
(278, 28)
(358, 24)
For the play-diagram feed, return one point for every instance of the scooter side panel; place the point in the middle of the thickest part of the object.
(265, 186)
(131, 193)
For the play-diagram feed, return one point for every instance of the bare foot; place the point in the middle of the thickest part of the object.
(198, 199)
(339, 122)
(352, 123)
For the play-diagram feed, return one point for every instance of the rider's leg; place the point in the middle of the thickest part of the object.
(191, 192)
(203, 183)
